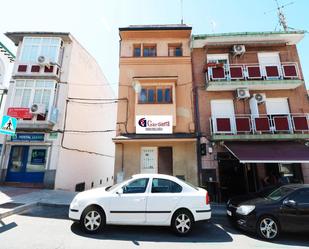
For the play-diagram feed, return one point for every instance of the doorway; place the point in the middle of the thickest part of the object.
(165, 160)
(27, 164)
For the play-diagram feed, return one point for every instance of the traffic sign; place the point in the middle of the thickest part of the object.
(8, 125)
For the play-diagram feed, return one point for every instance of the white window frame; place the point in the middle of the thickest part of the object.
(33, 88)
(40, 47)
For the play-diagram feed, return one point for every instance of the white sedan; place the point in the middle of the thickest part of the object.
(145, 199)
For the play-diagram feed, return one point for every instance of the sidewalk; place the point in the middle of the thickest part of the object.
(12, 198)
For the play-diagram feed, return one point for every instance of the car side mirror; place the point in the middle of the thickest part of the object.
(119, 191)
(289, 203)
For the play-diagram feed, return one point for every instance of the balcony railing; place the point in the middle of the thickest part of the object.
(24, 69)
(260, 124)
(232, 72)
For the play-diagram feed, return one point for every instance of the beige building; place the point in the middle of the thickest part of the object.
(155, 121)
(64, 129)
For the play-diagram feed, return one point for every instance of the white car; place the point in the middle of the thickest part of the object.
(145, 199)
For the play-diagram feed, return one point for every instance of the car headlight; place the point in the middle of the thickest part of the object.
(245, 209)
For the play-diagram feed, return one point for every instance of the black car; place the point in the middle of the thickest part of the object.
(284, 209)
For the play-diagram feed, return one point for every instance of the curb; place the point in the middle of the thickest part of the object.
(46, 204)
(18, 210)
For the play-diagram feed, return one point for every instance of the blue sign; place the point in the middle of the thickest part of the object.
(28, 137)
(8, 125)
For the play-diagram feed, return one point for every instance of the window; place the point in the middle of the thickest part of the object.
(174, 50)
(165, 186)
(136, 186)
(33, 47)
(149, 50)
(302, 197)
(137, 50)
(28, 92)
(155, 95)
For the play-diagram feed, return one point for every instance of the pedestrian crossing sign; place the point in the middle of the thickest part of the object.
(8, 125)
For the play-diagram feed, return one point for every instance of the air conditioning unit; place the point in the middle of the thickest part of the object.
(43, 61)
(259, 97)
(239, 49)
(38, 109)
(242, 93)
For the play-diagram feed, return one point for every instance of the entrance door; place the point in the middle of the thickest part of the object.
(149, 160)
(26, 164)
(165, 160)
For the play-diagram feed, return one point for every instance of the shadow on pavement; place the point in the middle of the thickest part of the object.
(48, 212)
(203, 232)
(5, 227)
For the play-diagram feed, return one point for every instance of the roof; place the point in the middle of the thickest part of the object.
(7, 52)
(289, 37)
(269, 152)
(156, 27)
(16, 37)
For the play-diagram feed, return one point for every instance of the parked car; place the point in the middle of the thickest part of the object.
(145, 199)
(285, 209)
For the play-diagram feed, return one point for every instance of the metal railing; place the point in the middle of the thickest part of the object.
(260, 124)
(252, 71)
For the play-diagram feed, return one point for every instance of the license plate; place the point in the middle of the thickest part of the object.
(229, 213)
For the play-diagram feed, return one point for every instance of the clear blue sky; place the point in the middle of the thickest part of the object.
(95, 23)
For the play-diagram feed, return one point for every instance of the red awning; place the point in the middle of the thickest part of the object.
(269, 152)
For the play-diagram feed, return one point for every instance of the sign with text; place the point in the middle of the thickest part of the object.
(8, 125)
(28, 137)
(19, 112)
(154, 124)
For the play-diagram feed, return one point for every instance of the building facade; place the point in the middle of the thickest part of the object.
(252, 110)
(155, 121)
(64, 131)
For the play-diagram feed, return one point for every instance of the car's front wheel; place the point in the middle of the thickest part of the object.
(268, 228)
(92, 220)
(182, 222)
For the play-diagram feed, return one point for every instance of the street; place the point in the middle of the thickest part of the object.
(49, 228)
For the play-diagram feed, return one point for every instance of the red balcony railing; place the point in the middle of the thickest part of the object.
(259, 124)
(286, 70)
(25, 69)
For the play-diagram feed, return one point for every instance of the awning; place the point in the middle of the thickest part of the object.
(269, 152)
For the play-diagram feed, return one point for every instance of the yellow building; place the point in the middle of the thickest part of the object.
(155, 121)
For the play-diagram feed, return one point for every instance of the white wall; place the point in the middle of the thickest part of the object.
(86, 80)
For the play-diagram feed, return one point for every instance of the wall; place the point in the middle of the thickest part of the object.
(88, 156)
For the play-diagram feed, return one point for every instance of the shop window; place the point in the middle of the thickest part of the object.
(36, 161)
(174, 50)
(149, 50)
(155, 95)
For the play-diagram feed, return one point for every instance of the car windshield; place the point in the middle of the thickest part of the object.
(279, 193)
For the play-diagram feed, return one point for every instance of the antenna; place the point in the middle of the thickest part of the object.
(181, 10)
(281, 16)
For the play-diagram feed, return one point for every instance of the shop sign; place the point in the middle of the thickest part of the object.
(19, 112)
(8, 125)
(28, 137)
(154, 124)
(53, 135)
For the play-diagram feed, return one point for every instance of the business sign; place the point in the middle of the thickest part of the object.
(19, 112)
(28, 137)
(38, 156)
(8, 125)
(154, 124)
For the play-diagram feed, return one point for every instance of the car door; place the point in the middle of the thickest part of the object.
(295, 211)
(162, 199)
(129, 207)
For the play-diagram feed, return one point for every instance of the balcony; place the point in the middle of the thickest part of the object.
(221, 77)
(30, 70)
(261, 127)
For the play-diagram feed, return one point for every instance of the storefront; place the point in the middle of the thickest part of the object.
(247, 167)
(26, 158)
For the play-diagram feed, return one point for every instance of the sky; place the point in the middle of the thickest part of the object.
(95, 23)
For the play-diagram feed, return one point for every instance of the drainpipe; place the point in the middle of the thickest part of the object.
(196, 122)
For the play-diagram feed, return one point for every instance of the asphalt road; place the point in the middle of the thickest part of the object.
(48, 227)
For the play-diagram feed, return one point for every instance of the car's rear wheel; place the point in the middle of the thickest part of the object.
(92, 220)
(268, 228)
(182, 222)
